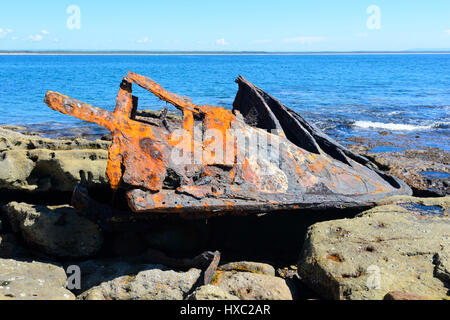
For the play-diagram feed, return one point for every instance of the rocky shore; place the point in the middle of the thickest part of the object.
(426, 169)
(399, 249)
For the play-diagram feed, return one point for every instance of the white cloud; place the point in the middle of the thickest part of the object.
(304, 40)
(447, 31)
(262, 41)
(35, 38)
(145, 40)
(14, 38)
(4, 33)
(38, 37)
(56, 40)
(221, 42)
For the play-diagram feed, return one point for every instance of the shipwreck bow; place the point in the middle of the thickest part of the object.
(259, 157)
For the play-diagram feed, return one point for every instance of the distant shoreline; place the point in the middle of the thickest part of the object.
(212, 53)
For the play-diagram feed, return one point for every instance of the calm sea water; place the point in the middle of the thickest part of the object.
(346, 95)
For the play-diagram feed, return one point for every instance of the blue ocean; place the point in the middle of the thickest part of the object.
(345, 95)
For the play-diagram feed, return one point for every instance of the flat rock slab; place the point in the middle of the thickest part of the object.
(35, 164)
(32, 281)
(398, 246)
(58, 231)
(151, 283)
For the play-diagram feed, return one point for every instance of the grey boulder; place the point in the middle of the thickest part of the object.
(400, 246)
(153, 283)
(34, 164)
(252, 286)
(32, 281)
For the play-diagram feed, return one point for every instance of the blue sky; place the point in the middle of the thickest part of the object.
(282, 25)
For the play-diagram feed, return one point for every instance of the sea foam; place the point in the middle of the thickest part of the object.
(390, 126)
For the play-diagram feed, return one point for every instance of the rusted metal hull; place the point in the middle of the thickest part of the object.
(216, 161)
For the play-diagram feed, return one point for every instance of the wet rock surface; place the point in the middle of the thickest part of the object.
(425, 169)
(21, 280)
(391, 247)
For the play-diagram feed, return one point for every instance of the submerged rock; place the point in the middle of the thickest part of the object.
(33, 163)
(32, 281)
(425, 169)
(155, 282)
(401, 245)
(58, 231)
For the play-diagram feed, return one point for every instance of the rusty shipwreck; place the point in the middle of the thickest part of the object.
(258, 157)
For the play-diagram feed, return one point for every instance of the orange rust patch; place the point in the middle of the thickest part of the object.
(126, 133)
(247, 173)
(316, 166)
(217, 122)
(306, 178)
(229, 205)
(335, 257)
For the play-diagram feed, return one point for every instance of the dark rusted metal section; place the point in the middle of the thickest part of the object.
(211, 269)
(309, 170)
(251, 100)
(207, 261)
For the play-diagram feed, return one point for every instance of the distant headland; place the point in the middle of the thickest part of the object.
(125, 52)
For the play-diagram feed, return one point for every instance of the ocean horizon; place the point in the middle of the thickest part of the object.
(206, 52)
